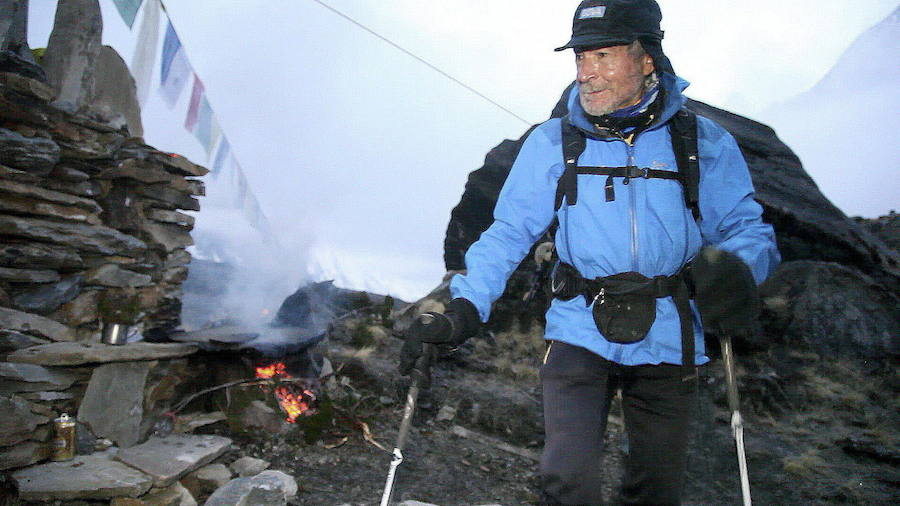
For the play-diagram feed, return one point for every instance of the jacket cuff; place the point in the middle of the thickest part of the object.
(466, 318)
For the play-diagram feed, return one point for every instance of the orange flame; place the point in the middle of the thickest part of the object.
(271, 370)
(293, 403)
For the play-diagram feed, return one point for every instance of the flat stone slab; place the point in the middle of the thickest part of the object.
(89, 353)
(113, 402)
(28, 323)
(168, 459)
(85, 477)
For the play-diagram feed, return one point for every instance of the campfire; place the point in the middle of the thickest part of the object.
(294, 398)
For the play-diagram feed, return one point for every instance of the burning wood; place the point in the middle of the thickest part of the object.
(293, 397)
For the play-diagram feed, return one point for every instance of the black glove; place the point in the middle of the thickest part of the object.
(459, 322)
(726, 294)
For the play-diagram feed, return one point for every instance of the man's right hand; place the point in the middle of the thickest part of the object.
(452, 327)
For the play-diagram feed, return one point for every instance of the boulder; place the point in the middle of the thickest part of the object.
(268, 487)
(73, 50)
(41, 378)
(28, 275)
(832, 309)
(114, 94)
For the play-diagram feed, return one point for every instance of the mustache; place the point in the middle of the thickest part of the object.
(590, 89)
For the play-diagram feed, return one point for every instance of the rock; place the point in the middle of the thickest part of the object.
(36, 255)
(85, 477)
(258, 415)
(178, 164)
(10, 340)
(169, 198)
(268, 487)
(37, 193)
(416, 503)
(23, 454)
(44, 378)
(113, 405)
(248, 466)
(48, 396)
(831, 308)
(167, 237)
(66, 174)
(33, 85)
(92, 238)
(168, 459)
(17, 422)
(173, 217)
(28, 275)
(114, 92)
(207, 479)
(887, 228)
(173, 495)
(187, 423)
(114, 276)
(46, 299)
(81, 310)
(142, 171)
(86, 353)
(73, 50)
(14, 204)
(35, 155)
(10, 319)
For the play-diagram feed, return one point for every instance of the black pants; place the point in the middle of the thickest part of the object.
(658, 401)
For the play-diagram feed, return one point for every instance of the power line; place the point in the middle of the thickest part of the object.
(422, 60)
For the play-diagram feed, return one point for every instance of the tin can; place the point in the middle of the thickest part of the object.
(64, 440)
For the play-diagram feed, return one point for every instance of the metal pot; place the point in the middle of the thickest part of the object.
(114, 333)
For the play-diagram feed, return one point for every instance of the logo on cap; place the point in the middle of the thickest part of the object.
(592, 12)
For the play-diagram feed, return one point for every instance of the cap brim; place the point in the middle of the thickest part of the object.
(595, 42)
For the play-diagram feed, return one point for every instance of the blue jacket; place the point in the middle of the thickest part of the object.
(647, 228)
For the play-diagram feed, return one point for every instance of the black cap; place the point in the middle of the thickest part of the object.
(604, 23)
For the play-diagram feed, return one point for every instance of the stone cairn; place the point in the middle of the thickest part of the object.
(88, 214)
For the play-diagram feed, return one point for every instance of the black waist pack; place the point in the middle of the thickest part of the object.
(624, 304)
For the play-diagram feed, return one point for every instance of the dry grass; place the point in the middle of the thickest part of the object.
(514, 354)
(807, 465)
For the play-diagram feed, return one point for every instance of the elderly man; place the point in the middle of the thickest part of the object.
(635, 195)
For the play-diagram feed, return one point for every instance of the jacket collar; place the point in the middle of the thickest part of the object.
(672, 85)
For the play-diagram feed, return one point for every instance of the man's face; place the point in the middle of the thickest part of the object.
(611, 78)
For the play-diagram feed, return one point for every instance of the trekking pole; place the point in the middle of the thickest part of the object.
(418, 375)
(737, 423)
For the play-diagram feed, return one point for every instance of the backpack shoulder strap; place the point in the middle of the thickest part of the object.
(573, 144)
(683, 131)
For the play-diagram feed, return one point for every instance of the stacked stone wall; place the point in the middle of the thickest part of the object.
(86, 212)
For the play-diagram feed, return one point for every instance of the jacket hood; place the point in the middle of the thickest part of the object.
(672, 87)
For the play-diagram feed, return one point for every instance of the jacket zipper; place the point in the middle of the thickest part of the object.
(633, 210)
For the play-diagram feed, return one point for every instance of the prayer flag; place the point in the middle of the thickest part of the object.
(175, 70)
(145, 50)
(221, 155)
(190, 122)
(128, 10)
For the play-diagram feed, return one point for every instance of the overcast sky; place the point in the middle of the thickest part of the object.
(358, 151)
